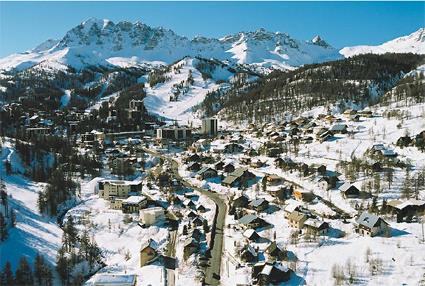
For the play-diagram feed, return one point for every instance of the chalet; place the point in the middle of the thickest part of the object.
(349, 113)
(200, 208)
(240, 202)
(316, 227)
(273, 152)
(148, 252)
(275, 252)
(371, 225)
(420, 140)
(219, 165)
(321, 170)
(339, 129)
(303, 195)
(194, 166)
(251, 152)
(407, 208)
(238, 177)
(285, 163)
(197, 221)
(249, 254)
(256, 164)
(252, 221)
(190, 247)
(297, 219)
(133, 204)
(365, 113)
(271, 273)
(189, 204)
(196, 234)
(191, 214)
(273, 179)
(232, 148)
(206, 172)
(291, 207)
(251, 234)
(404, 141)
(349, 191)
(304, 169)
(327, 183)
(282, 193)
(259, 204)
(228, 168)
(193, 158)
(103, 279)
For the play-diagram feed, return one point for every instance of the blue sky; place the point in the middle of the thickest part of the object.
(23, 25)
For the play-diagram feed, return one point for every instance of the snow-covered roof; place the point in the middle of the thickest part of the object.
(134, 199)
(115, 279)
(367, 219)
(249, 232)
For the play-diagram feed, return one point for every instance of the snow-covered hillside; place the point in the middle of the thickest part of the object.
(33, 232)
(413, 43)
(158, 100)
(102, 42)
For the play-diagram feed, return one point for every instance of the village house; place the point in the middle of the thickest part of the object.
(190, 247)
(240, 201)
(406, 209)
(206, 173)
(249, 254)
(239, 177)
(349, 190)
(229, 168)
(259, 204)
(270, 272)
(316, 227)
(148, 252)
(252, 221)
(275, 252)
(273, 179)
(303, 195)
(194, 166)
(371, 225)
(251, 234)
(291, 207)
(326, 183)
(296, 219)
(339, 129)
(233, 148)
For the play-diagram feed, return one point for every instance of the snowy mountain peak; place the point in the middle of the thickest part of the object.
(317, 40)
(102, 42)
(413, 43)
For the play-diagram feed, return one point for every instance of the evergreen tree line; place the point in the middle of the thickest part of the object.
(60, 188)
(76, 249)
(7, 218)
(25, 275)
(357, 79)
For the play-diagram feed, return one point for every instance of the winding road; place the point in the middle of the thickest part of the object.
(212, 275)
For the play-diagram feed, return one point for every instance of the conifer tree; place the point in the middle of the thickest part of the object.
(23, 275)
(7, 277)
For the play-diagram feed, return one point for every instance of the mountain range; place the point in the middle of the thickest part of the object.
(98, 42)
